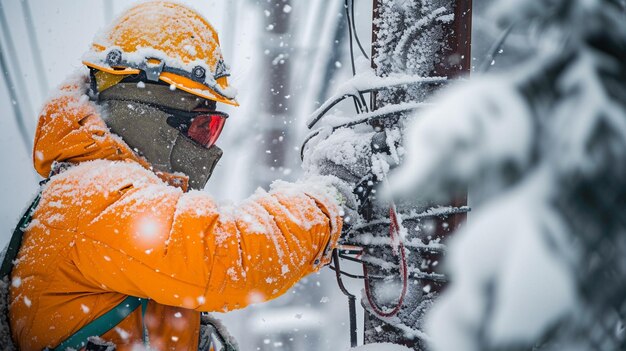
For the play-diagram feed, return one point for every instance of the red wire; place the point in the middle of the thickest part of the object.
(394, 229)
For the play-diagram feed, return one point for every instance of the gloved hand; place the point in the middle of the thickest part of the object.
(344, 153)
(346, 199)
(346, 156)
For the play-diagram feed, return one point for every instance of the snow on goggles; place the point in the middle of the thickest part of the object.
(202, 126)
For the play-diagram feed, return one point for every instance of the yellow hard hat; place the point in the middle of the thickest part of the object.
(168, 42)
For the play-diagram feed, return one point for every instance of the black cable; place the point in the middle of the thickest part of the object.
(351, 23)
(356, 34)
(349, 275)
(351, 300)
(347, 7)
(350, 36)
(352, 311)
(495, 49)
(353, 259)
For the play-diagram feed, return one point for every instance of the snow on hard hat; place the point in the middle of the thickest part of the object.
(169, 42)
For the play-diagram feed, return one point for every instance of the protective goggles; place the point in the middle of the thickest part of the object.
(202, 126)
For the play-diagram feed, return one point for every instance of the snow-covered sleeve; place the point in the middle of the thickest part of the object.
(181, 249)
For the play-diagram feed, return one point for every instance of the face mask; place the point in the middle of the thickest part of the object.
(145, 129)
(194, 160)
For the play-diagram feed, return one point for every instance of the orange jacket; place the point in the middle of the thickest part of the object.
(109, 227)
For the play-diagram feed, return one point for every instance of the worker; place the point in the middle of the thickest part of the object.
(122, 250)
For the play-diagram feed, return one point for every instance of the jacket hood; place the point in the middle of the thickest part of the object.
(71, 129)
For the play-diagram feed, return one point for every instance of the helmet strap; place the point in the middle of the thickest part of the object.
(93, 86)
(153, 69)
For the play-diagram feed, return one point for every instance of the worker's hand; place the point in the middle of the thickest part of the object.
(346, 199)
(344, 155)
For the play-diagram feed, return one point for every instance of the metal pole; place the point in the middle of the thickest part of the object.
(35, 49)
(274, 120)
(19, 119)
(335, 55)
(404, 43)
(15, 88)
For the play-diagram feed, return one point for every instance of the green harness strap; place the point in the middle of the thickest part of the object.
(97, 327)
(16, 239)
(105, 323)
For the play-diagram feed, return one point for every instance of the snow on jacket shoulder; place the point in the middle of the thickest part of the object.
(109, 227)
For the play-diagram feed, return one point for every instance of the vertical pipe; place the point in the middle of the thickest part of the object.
(335, 55)
(10, 64)
(353, 328)
(19, 118)
(35, 49)
(458, 64)
(321, 52)
(274, 121)
(449, 56)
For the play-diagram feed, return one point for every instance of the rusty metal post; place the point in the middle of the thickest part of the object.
(440, 46)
